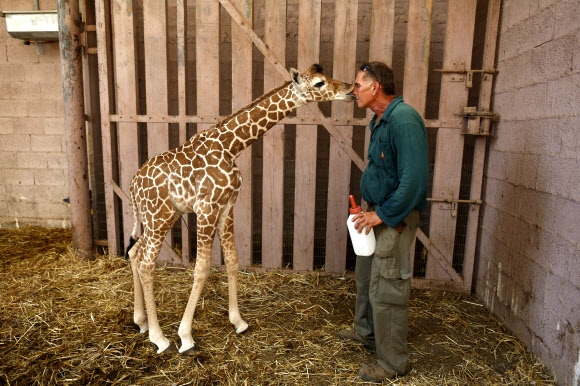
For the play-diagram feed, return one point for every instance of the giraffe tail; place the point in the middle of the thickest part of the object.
(133, 239)
(132, 242)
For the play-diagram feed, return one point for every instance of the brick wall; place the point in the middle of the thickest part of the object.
(33, 165)
(529, 250)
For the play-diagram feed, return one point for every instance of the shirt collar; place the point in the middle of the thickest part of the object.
(387, 112)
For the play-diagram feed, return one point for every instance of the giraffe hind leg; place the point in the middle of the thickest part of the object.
(139, 316)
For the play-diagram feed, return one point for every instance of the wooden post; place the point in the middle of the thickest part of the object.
(126, 96)
(74, 120)
(339, 163)
(110, 175)
(181, 102)
(382, 38)
(480, 142)
(449, 152)
(273, 144)
(417, 51)
(242, 83)
(309, 13)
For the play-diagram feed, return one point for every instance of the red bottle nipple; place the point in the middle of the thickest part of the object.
(354, 208)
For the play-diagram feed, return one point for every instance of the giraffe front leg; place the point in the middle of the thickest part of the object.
(226, 233)
(235, 317)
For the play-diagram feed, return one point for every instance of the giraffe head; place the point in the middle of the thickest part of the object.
(313, 86)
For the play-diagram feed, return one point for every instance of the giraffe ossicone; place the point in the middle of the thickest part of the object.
(200, 176)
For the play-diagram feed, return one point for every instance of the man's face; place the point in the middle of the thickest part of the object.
(363, 89)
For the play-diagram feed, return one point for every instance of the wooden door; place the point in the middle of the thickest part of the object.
(153, 54)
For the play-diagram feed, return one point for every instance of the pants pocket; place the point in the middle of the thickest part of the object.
(387, 243)
(387, 287)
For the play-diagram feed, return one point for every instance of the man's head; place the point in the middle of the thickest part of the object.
(373, 81)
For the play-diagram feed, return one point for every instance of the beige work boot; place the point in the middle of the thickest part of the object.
(374, 372)
(352, 335)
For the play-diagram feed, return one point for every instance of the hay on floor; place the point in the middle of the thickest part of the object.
(69, 322)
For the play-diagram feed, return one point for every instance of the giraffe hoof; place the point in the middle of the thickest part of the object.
(189, 352)
(172, 348)
(141, 329)
(242, 329)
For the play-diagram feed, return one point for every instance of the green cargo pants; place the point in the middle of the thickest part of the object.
(383, 283)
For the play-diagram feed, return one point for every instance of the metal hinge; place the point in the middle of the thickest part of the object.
(461, 74)
(84, 39)
(471, 123)
(444, 202)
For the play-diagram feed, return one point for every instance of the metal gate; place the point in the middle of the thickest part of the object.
(152, 54)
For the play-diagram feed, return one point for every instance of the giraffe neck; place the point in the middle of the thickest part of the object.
(241, 129)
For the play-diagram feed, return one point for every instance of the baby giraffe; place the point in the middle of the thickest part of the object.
(201, 176)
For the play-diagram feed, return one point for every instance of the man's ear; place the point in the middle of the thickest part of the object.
(295, 75)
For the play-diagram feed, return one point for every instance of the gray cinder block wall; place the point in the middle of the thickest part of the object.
(528, 270)
(33, 165)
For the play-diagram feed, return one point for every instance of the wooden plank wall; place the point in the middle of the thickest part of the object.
(117, 53)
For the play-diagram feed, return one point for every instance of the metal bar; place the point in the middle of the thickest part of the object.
(74, 120)
(450, 201)
(457, 71)
(301, 120)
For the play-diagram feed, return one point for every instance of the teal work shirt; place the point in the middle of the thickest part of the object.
(397, 173)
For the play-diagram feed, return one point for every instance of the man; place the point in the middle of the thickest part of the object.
(394, 183)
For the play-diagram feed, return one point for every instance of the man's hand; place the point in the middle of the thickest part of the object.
(366, 219)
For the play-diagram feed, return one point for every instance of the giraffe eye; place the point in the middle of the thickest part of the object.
(319, 84)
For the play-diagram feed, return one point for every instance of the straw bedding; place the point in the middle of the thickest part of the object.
(69, 322)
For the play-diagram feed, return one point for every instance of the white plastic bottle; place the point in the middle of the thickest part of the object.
(363, 244)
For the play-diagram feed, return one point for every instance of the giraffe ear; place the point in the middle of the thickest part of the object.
(295, 75)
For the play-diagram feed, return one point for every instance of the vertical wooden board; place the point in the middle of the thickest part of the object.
(416, 76)
(126, 88)
(242, 83)
(273, 144)
(345, 23)
(181, 100)
(111, 207)
(417, 51)
(491, 35)
(449, 150)
(382, 38)
(309, 15)
(382, 33)
(207, 18)
(155, 38)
